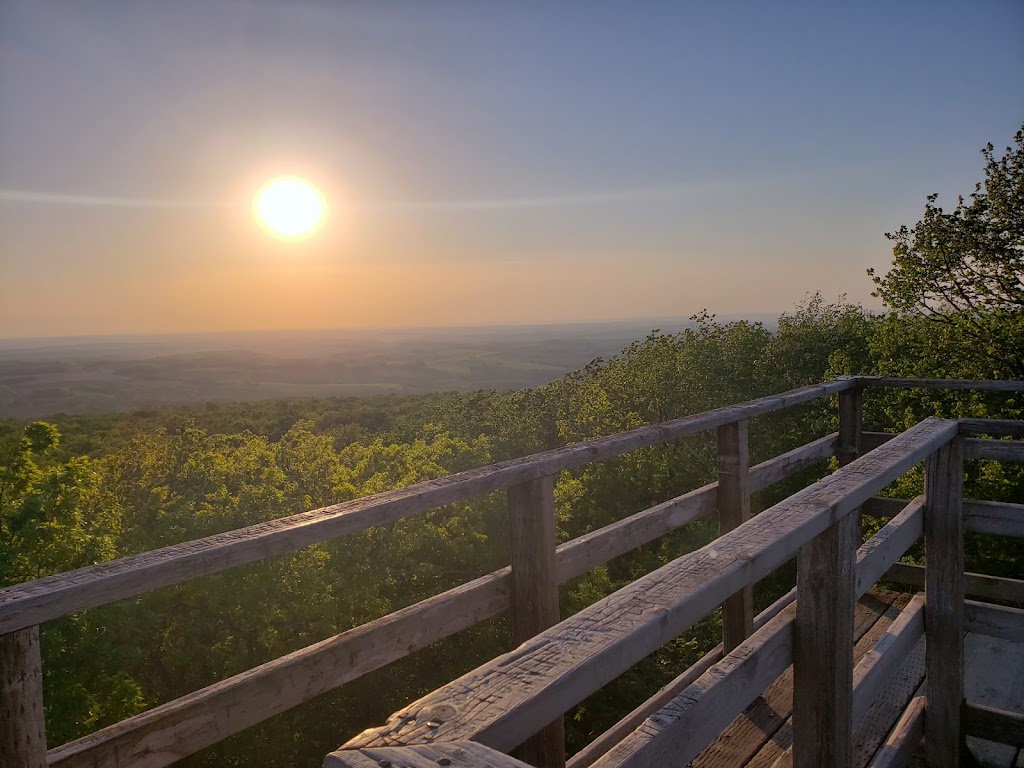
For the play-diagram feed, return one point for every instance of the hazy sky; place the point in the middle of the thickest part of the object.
(483, 162)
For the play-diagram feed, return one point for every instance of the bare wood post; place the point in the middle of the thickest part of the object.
(22, 726)
(944, 609)
(851, 427)
(531, 507)
(823, 648)
(733, 510)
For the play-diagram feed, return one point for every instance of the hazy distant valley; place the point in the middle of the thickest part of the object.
(117, 373)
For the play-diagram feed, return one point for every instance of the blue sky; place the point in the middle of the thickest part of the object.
(483, 162)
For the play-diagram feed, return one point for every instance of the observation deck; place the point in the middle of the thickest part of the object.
(838, 672)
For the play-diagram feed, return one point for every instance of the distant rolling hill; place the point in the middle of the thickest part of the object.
(117, 373)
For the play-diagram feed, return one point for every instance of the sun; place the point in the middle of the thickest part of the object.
(290, 207)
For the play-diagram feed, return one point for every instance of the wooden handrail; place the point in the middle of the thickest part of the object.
(980, 385)
(186, 725)
(516, 694)
(171, 731)
(52, 597)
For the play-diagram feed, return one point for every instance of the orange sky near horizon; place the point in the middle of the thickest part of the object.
(481, 164)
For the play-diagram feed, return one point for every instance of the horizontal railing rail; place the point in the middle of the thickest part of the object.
(677, 595)
(509, 699)
(197, 720)
(52, 597)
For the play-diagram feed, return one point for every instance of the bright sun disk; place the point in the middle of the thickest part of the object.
(290, 207)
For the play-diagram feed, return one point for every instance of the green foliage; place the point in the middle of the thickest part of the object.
(116, 485)
(965, 269)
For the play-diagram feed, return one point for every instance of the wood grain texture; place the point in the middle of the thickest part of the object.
(992, 427)
(166, 733)
(980, 385)
(873, 558)
(531, 508)
(508, 699)
(994, 620)
(634, 719)
(975, 584)
(823, 648)
(944, 587)
(464, 754)
(1000, 518)
(679, 731)
(733, 511)
(890, 651)
(868, 735)
(995, 517)
(994, 450)
(753, 728)
(905, 737)
(994, 724)
(50, 598)
(851, 424)
(592, 549)
(22, 725)
(877, 555)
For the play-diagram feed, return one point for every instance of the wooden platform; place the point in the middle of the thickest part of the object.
(761, 736)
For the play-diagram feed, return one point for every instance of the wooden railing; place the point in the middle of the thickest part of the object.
(818, 525)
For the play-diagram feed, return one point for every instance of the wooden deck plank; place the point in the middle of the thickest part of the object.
(994, 671)
(872, 730)
(742, 739)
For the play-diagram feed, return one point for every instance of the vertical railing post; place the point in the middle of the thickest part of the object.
(22, 726)
(531, 507)
(944, 607)
(851, 427)
(733, 510)
(823, 648)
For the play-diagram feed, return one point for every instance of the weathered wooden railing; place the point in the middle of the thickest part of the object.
(817, 523)
(480, 717)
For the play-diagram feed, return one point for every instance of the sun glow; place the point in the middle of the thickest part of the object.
(290, 207)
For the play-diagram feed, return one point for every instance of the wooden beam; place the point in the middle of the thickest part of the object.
(878, 666)
(50, 598)
(186, 725)
(592, 549)
(22, 725)
(871, 440)
(531, 508)
(994, 620)
(823, 648)
(994, 517)
(603, 743)
(993, 724)
(975, 584)
(514, 695)
(851, 424)
(680, 730)
(980, 385)
(674, 729)
(873, 558)
(463, 754)
(992, 427)
(944, 587)
(733, 511)
(994, 450)
(905, 738)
